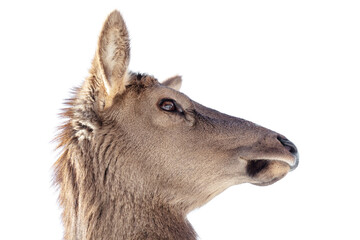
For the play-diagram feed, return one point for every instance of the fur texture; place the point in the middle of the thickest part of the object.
(132, 168)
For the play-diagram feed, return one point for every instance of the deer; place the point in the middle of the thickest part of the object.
(137, 155)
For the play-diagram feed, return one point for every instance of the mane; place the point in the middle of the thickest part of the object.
(65, 136)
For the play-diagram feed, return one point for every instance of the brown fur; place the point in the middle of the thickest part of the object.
(131, 170)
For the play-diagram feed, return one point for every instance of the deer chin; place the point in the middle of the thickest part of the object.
(266, 172)
(268, 183)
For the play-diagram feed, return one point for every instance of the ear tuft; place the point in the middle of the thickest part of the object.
(173, 82)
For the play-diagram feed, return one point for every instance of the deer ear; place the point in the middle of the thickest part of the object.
(173, 82)
(112, 55)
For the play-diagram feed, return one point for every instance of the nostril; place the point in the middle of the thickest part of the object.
(291, 148)
(288, 145)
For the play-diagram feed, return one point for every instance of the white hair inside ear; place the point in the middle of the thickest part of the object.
(173, 82)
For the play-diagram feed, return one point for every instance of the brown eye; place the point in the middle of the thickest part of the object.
(168, 105)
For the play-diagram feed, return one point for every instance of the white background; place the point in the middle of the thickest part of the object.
(291, 66)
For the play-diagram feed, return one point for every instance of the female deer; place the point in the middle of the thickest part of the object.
(138, 155)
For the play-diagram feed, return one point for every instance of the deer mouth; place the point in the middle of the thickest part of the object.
(266, 172)
(254, 167)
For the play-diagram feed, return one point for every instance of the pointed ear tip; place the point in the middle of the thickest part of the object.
(176, 78)
(179, 79)
(115, 16)
(173, 82)
(115, 12)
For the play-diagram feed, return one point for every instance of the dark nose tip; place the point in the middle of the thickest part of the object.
(291, 148)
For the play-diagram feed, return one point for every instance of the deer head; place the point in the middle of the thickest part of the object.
(131, 139)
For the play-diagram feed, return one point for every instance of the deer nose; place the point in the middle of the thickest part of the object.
(291, 148)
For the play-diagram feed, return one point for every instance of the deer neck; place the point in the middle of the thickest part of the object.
(116, 208)
(128, 217)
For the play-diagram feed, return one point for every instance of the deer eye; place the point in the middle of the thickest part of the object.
(168, 105)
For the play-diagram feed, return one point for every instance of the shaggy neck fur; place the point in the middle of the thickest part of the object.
(93, 211)
(100, 200)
